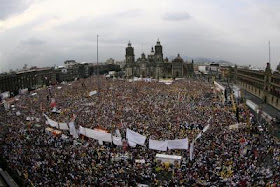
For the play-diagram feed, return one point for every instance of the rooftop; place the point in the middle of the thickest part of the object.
(32, 70)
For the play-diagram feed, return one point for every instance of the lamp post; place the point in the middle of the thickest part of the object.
(98, 78)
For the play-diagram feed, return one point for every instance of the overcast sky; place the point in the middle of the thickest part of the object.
(48, 32)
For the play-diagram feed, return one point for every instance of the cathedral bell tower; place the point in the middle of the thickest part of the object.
(158, 52)
(129, 61)
(129, 54)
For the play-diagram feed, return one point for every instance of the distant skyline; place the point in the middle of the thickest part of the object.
(47, 32)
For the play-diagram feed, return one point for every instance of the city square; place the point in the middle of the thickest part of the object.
(44, 154)
(139, 93)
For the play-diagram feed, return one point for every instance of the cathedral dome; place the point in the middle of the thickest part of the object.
(178, 59)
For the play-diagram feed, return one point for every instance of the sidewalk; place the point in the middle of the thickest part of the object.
(270, 110)
(266, 109)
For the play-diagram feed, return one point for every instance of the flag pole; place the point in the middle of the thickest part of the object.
(98, 78)
(269, 51)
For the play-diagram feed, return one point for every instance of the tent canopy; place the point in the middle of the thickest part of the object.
(168, 158)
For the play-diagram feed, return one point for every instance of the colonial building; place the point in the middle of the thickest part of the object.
(34, 77)
(154, 65)
(71, 70)
(29, 78)
(263, 84)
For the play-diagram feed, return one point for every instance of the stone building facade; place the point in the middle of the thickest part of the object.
(32, 79)
(263, 84)
(154, 65)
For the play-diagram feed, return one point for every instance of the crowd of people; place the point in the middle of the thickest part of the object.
(222, 156)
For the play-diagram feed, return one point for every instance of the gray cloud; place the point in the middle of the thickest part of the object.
(176, 16)
(12, 7)
(100, 23)
(130, 13)
(33, 41)
(204, 32)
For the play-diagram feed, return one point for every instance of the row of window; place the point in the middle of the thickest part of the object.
(275, 93)
(28, 81)
(254, 83)
(251, 74)
(275, 80)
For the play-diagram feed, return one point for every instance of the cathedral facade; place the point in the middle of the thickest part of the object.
(154, 65)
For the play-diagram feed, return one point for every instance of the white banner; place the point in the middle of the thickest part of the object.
(158, 145)
(206, 128)
(5, 95)
(117, 140)
(63, 126)
(52, 123)
(191, 150)
(82, 130)
(98, 135)
(178, 144)
(132, 144)
(100, 142)
(198, 136)
(135, 137)
(118, 133)
(73, 131)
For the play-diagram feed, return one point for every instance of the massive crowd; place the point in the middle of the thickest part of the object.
(222, 156)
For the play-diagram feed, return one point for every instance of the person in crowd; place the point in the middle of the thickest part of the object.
(222, 156)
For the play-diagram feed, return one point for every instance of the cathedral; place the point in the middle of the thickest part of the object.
(154, 65)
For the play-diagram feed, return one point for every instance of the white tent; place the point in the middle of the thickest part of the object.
(168, 158)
